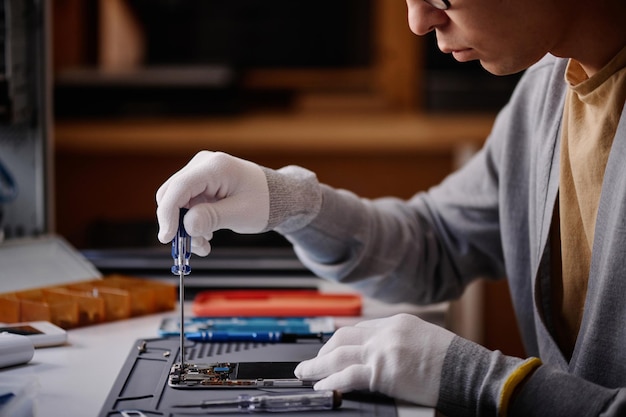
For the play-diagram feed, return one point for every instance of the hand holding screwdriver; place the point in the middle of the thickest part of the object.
(221, 191)
(225, 192)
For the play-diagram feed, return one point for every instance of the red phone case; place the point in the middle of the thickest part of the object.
(275, 303)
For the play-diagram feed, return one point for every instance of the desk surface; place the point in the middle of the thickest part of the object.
(75, 379)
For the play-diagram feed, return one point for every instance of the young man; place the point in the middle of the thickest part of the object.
(542, 204)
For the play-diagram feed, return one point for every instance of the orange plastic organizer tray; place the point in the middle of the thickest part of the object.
(114, 297)
(275, 303)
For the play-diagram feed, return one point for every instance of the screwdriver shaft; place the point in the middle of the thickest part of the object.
(181, 296)
(181, 252)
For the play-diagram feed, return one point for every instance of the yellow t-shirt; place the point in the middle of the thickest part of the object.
(592, 111)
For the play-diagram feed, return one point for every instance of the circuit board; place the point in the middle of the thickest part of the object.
(235, 375)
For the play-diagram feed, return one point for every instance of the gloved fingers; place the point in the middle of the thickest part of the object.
(325, 365)
(168, 223)
(162, 189)
(184, 187)
(236, 213)
(346, 336)
(168, 207)
(378, 322)
(191, 163)
(352, 378)
(200, 246)
(186, 191)
(400, 322)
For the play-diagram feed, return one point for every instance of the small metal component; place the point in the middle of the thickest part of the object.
(166, 354)
(138, 413)
(143, 347)
(133, 413)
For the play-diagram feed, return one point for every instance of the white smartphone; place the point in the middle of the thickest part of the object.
(40, 333)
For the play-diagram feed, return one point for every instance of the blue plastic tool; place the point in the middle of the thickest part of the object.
(181, 247)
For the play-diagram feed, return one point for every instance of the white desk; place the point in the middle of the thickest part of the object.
(75, 379)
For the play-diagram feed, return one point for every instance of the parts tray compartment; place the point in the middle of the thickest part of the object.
(142, 382)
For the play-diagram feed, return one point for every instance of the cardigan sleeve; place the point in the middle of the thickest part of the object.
(474, 380)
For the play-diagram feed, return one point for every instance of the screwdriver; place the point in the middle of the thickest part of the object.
(181, 252)
(276, 403)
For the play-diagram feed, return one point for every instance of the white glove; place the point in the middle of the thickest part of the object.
(221, 192)
(400, 356)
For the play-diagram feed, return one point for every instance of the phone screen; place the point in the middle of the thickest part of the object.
(265, 370)
(24, 330)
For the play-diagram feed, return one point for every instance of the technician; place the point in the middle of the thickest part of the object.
(542, 204)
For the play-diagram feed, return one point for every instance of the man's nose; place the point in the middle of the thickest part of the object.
(424, 18)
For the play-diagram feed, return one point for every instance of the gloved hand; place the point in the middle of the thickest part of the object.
(221, 192)
(400, 356)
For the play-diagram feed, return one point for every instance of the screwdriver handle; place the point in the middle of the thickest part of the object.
(181, 247)
(306, 401)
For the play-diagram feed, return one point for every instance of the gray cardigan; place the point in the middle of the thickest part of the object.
(490, 219)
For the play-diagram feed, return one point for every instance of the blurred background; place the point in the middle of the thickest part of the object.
(341, 87)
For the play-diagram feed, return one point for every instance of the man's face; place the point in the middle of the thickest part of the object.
(507, 36)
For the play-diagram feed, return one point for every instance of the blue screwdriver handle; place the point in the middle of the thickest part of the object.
(181, 245)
